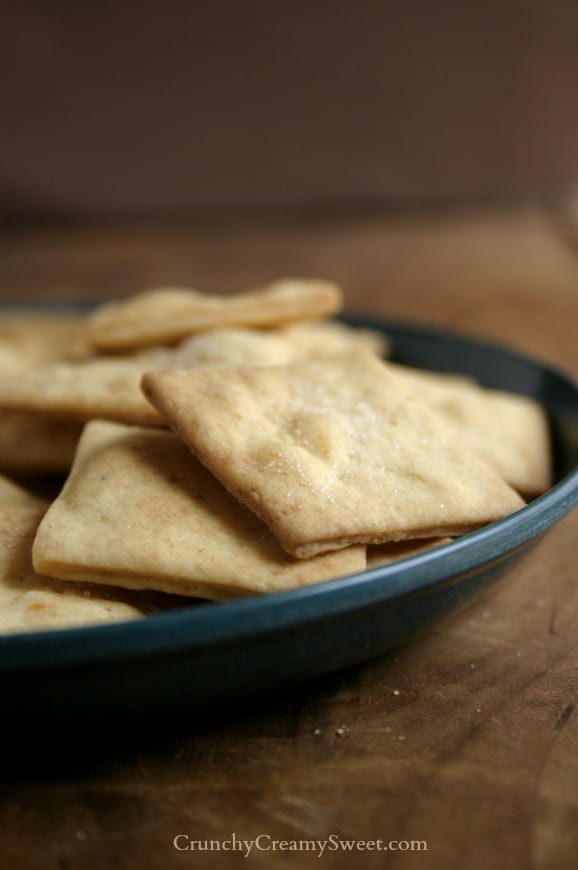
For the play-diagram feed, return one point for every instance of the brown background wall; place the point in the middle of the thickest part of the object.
(197, 107)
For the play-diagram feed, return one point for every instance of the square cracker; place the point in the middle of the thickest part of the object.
(168, 314)
(105, 388)
(139, 511)
(29, 602)
(509, 431)
(332, 452)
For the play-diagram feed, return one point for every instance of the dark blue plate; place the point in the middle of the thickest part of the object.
(192, 658)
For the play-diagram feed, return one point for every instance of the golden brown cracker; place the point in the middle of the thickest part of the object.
(37, 337)
(29, 602)
(140, 512)
(104, 388)
(509, 431)
(331, 452)
(233, 348)
(326, 337)
(236, 347)
(168, 314)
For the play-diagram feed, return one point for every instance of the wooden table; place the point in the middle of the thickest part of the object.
(467, 740)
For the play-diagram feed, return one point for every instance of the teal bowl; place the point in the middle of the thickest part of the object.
(193, 658)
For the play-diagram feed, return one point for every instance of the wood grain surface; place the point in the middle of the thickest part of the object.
(468, 739)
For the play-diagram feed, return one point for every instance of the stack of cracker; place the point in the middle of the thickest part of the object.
(241, 445)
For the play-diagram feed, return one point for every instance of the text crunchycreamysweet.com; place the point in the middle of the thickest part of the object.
(267, 843)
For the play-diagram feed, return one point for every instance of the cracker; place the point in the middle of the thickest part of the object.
(35, 337)
(29, 602)
(243, 346)
(32, 444)
(168, 314)
(385, 554)
(331, 452)
(509, 431)
(140, 512)
(109, 388)
(13, 494)
(106, 388)
(327, 337)
(233, 348)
